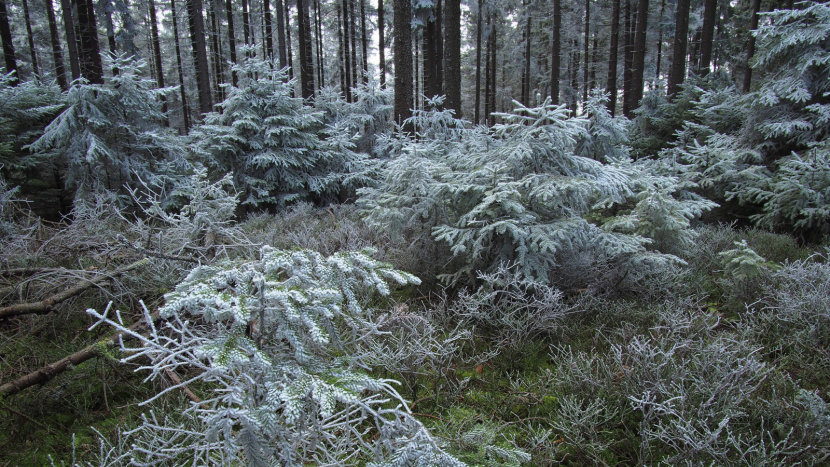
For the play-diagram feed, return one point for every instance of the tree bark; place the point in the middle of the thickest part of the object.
(681, 36)
(288, 51)
(660, 39)
(586, 70)
(216, 52)
(479, 26)
(381, 45)
(246, 25)
(353, 38)
(556, 50)
(90, 55)
(283, 57)
(306, 66)
(403, 60)
(318, 22)
(611, 86)
(707, 36)
(50, 371)
(365, 41)
(526, 84)
(57, 53)
(628, 57)
(269, 37)
(30, 38)
(430, 78)
(750, 51)
(493, 38)
(157, 54)
(231, 40)
(346, 64)
(8, 44)
(488, 71)
(71, 40)
(197, 41)
(439, 49)
(639, 57)
(182, 93)
(453, 67)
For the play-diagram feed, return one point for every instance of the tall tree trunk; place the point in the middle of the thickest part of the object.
(8, 44)
(452, 84)
(660, 39)
(586, 70)
(110, 26)
(306, 65)
(269, 35)
(283, 57)
(488, 71)
(403, 60)
(430, 79)
(343, 64)
(417, 76)
(750, 51)
(30, 38)
(556, 50)
(231, 40)
(628, 57)
(347, 71)
(694, 57)
(353, 29)
(157, 54)
(246, 25)
(526, 85)
(71, 40)
(494, 42)
(639, 56)
(57, 53)
(573, 105)
(594, 60)
(611, 86)
(479, 26)
(381, 45)
(213, 47)
(439, 49)
(288, 51)
(197, 41)
(185, 109)
(318, 20)
(90, 55)
(365, 41)
(707, 36)
(681, 36)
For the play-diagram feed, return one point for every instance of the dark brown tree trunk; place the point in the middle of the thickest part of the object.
(342, 64)
(556, 51)
(694, 57)
(365, 41)
(487, 72)
(318, 20)
(90, 55)
(157, 54)
(57, 53)
(439, 49)
(71, 40)
(197, 41)
(681, 36)
(639, 57)
(478, 64)
(182, 93)
(246, 24)
(403, 60)
(111, 33)
(381, 45)
(587, 45)
(8, 44)
(269, 35)
(417, 76)
(594, 59)
(306, 65)
(281, 35)
(707, 36)
(216, 49)
(30, 38)
(452, 85)
(347, 71)
(750, 51)
(628, 58)
(353, 37)
(611, 86)
(660, 39)
(288, 51)
(526, 84)
(574, 69)
(231, 40)
(494, 42)
(430, 79)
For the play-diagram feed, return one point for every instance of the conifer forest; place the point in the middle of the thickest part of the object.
(394, 233)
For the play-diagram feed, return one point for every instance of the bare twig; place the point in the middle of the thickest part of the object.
(146, 252)
(186, 390)
(47, 305)
(50, 371)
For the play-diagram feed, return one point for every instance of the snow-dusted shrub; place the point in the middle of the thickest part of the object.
(270, 343)
(522, 194)
(111, 134)
(278, 149)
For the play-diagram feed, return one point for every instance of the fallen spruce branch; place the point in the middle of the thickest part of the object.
(50, 371)
(186, 390)
(27, 271)
(47, 305)
(146, 252)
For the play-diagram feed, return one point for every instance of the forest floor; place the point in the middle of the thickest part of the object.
(621, 377)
